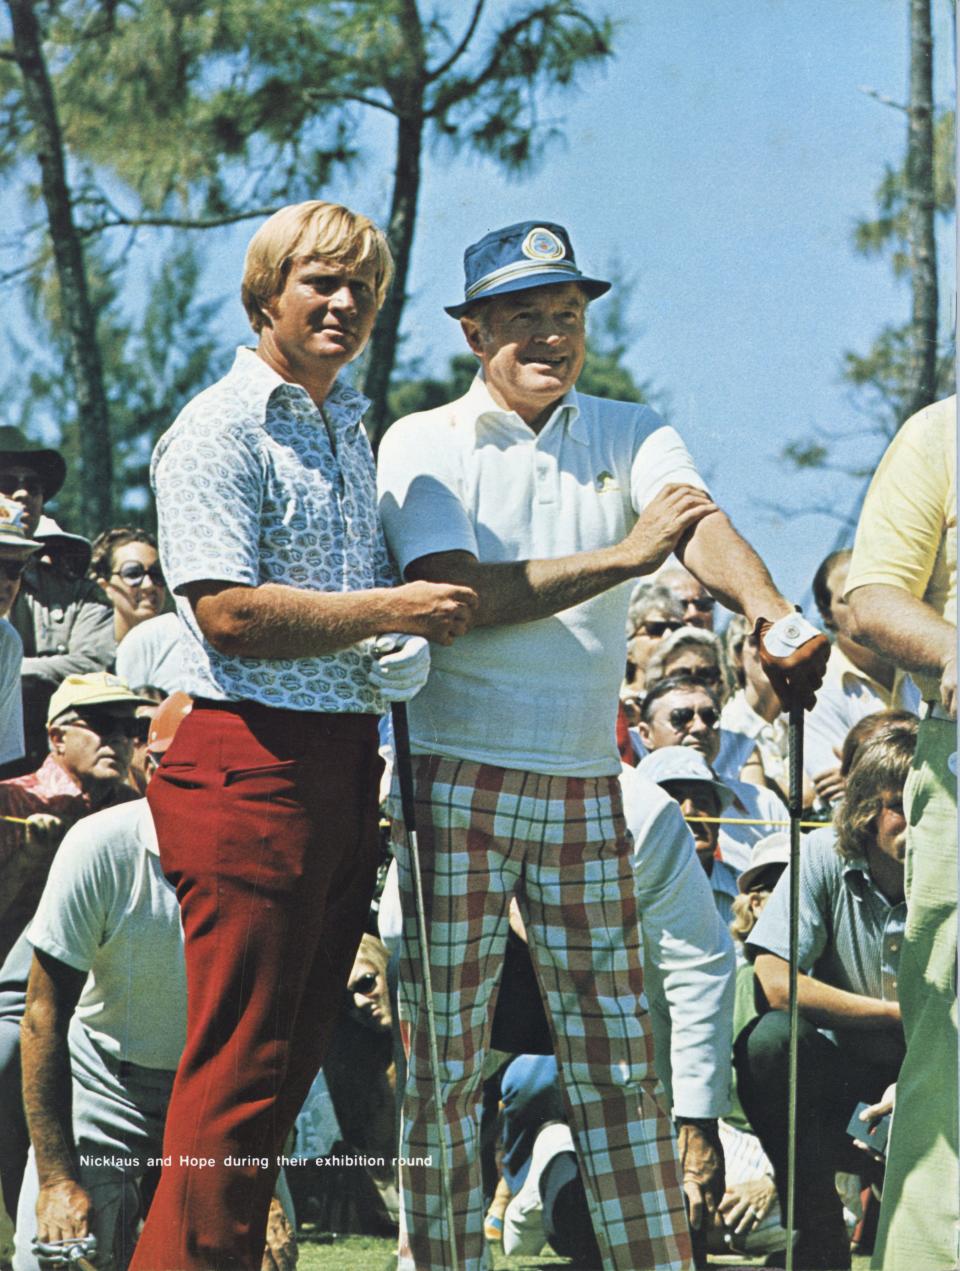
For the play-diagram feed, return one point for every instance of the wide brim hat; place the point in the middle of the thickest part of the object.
(99, 688)
(771, 850)
(517, 257)
(683, 763)
(71, 549)
(49, 465)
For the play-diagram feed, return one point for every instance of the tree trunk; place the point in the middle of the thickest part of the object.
(407, 92)
(921, 207)
(403, 216)
(96, 475)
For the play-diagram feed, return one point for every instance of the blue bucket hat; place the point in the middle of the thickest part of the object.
(528, 254)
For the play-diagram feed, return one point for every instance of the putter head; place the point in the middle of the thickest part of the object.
(78, 1252)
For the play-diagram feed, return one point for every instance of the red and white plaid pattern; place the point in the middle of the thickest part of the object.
(559, 844)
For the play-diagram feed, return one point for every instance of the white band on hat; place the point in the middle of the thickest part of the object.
(521, 268)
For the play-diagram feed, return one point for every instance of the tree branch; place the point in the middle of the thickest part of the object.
(313, 95)
(461, 48)
(882, 98)
(504, 40)
(176, 222)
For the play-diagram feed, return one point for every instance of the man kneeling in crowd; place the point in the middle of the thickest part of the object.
(852, 916)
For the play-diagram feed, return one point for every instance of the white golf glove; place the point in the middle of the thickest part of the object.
(401, 664)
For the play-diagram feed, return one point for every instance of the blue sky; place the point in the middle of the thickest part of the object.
(722, 159)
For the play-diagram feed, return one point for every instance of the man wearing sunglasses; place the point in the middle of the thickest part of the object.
(698, 604)
(91, 726)
(685, 711)
(64, 622)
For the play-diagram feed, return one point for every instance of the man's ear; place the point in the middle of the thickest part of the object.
(643, 730)
(55, 734)
(473, 334)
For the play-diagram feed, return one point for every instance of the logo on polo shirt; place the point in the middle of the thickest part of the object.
(606, 483)
(543, 244)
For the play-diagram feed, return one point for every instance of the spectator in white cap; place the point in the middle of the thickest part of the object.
(686, 776)
(91, 725)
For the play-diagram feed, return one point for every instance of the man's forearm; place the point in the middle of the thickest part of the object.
(276, 621)
(903, 628)
(823, 1004)
(523, 591)
(526, 590)
(46, 1096)
(731, 570)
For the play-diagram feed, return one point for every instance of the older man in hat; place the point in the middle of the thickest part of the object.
(547, 503)
(64, 622)
(91, 728)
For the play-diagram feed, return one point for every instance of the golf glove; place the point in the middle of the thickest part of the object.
(401, 664)
(793, 653)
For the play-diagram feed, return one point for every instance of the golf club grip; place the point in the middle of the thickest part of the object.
(401, 757)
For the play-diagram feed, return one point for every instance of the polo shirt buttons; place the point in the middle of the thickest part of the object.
(545, 475)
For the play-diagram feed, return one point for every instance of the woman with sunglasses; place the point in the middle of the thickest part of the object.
(126, 564)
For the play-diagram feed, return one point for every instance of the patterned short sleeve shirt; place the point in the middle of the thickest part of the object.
(255, 484)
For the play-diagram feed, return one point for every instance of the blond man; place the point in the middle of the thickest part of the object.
(266, 809)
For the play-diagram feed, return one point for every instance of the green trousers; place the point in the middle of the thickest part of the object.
(919, 1212)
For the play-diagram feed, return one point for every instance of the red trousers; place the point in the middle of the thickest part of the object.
(267, 823)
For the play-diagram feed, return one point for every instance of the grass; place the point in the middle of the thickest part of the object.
(369, 1253)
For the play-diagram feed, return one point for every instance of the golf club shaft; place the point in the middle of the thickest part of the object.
(795, 741)
(404, 765)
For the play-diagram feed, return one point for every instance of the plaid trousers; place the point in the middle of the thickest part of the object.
(559, 844)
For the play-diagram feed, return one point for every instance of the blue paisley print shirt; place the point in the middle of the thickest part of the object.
(250, 490)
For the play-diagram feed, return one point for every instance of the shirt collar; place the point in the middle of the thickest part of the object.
(841, 669)
(259, 382)
(724, 878)
(477, 405)
(858, 879)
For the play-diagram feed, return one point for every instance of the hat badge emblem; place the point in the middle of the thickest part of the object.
(543, 244)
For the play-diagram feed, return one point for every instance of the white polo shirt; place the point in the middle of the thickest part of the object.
(107, 909)
(470, 476)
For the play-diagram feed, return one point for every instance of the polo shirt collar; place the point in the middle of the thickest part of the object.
(858, 879)
(259, 382)
(477, 406)
(844, 670)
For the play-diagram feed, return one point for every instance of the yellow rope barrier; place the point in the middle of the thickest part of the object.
(742, 820)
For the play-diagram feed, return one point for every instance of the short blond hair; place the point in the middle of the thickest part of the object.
(310, 231)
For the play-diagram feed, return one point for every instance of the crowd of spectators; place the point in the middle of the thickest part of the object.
(89, 928)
